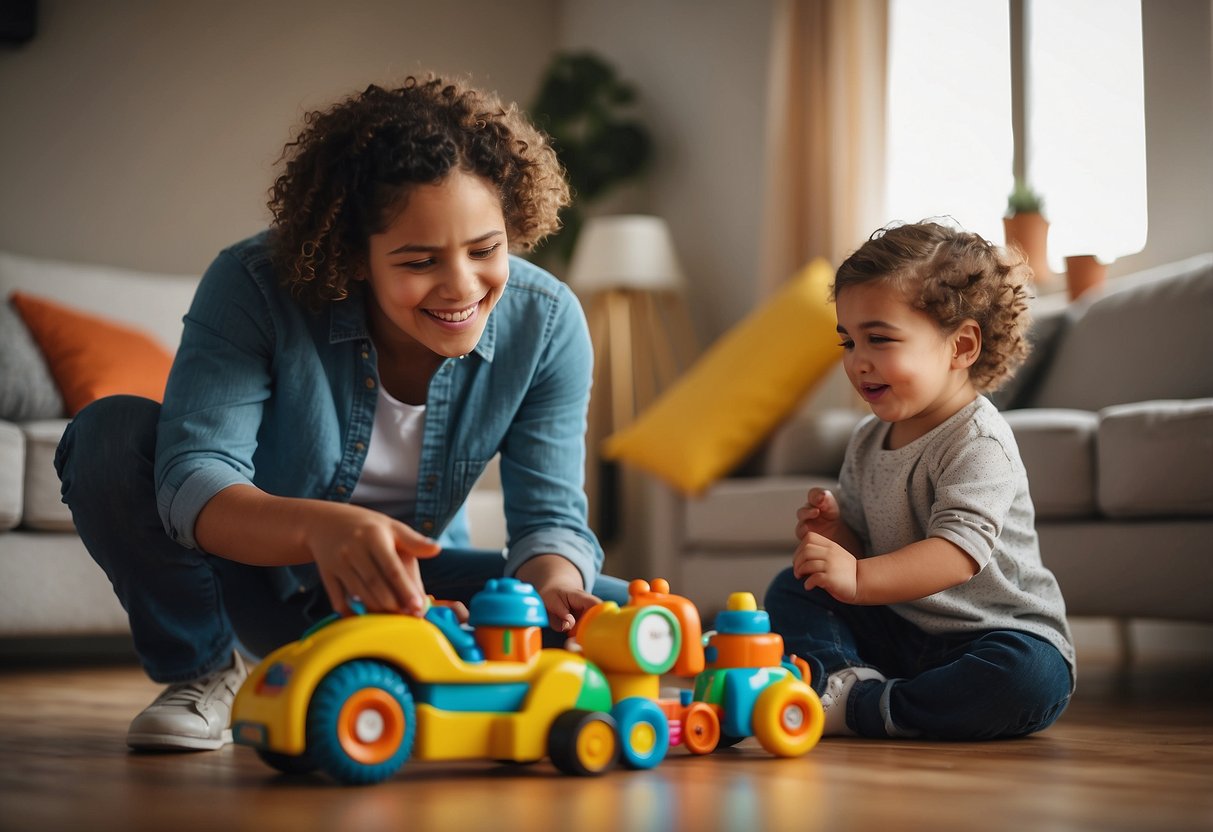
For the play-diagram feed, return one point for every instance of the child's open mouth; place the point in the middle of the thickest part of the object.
(872, 392)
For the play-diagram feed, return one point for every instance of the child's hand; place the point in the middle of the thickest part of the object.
(823, 563)
(819, 514)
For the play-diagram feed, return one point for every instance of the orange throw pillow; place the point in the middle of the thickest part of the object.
(91, 357)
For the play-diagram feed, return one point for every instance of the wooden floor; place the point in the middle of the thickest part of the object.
(1132, 753)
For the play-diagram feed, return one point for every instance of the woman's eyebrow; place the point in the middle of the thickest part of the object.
(413, 247)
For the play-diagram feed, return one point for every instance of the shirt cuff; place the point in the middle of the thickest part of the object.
(582, 553)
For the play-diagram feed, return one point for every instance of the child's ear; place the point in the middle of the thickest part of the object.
(966, 345)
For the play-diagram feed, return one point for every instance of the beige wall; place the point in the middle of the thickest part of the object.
(143, 133)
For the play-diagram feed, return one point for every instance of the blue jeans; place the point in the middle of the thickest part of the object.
(970, 686)
(189, 609)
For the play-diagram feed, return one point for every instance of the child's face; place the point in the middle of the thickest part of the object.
(440, 267)
(900, 361)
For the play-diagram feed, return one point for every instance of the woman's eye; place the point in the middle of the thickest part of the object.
(485, 253)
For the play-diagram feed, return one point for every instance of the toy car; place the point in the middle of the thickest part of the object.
(358, 696)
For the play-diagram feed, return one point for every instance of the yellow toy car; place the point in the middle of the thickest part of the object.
(358, 696)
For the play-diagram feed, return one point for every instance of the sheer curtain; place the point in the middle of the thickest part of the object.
(824, 182)
(826, 132)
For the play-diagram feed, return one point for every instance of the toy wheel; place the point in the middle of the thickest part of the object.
(728, 741)
(788, 719)
(584, 743)
(360, 724)
(700, 729)
(644, 732)
(287, 763)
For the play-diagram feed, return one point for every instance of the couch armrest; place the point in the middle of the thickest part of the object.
(12, 475)
(811, 443)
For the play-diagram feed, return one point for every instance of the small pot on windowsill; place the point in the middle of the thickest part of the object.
(1083, 273)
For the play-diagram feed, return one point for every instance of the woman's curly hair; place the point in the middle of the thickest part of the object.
(953, 275)
(349, 168)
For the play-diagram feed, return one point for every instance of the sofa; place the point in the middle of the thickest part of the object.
(1113, 414)
(50, 589)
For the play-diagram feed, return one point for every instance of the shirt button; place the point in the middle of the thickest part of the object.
(358, 446)
(366, 354)
(370, 383)
(428, 525)
(341, 489)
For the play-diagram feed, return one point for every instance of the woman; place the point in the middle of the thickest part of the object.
(342, 381)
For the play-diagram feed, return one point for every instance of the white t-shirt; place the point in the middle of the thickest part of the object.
(963, 482)
(388, 482)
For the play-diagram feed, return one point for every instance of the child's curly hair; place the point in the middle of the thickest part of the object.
(352, 164)
(952, 275)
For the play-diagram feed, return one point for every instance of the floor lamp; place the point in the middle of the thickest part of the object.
(627, 275)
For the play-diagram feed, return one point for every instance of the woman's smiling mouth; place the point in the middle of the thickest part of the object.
(453, 316)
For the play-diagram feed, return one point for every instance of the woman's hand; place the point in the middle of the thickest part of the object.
(823, 563)
(559, 584)
(365, 554)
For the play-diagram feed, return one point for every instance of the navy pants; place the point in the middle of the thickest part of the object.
(974, 686)
(189, 609)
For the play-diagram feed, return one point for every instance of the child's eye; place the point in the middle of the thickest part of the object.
(486, 253)
(880, 339)
(846, 344)
(417, 265)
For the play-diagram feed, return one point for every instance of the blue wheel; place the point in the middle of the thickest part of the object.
(644, 732)
(361, 723)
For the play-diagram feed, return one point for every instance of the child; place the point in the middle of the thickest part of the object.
(342, 381)
(917, 593)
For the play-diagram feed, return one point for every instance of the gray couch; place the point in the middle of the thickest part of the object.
(1113, 414)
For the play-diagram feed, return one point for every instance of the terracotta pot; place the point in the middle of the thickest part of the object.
(1030, 233)
(1084, 273)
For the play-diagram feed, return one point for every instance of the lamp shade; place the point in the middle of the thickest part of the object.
(625, 251)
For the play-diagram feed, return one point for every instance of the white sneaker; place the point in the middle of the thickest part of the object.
(834, 700)
(190, 715)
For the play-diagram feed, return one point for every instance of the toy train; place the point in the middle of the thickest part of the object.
(358, 696)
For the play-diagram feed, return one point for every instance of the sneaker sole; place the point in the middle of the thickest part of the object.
(171, 742)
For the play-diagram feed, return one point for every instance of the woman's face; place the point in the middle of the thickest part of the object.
(438, 269)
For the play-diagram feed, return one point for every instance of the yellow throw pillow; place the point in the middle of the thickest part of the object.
(746, 383)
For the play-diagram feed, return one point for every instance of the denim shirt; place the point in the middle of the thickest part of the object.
(263, 391)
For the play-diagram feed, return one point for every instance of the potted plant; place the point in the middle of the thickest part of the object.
(587, 109)
(1027, 229)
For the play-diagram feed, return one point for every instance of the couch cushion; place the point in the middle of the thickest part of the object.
(44, 508)
(92, 356)
(1128, 344)
(1058, 451)
(27, 390)
(749, 513)
(1155, 458)
(154, 302)
(12, 475)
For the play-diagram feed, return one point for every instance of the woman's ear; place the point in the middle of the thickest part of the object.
(966, 344)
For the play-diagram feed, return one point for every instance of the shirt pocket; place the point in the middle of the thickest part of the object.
(464, 475)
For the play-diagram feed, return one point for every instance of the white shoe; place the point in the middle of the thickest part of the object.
(834, 700)
(190, 716)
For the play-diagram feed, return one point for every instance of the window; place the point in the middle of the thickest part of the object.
(950, 141)
(1086, 150)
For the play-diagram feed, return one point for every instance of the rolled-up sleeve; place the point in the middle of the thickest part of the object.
(543, 455)
(214, 398)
